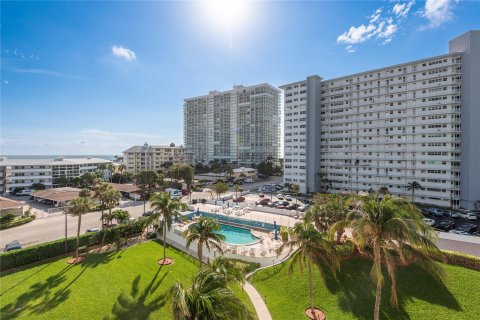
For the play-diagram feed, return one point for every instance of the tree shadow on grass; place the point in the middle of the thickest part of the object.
(356, 290)
(26, 278)
(139, 304)
(43, 291)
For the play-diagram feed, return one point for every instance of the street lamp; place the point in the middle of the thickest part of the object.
(65, 213)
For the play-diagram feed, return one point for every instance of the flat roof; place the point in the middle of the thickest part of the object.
(51, 162)
(6, 203)
(59, 194)
(124, 187)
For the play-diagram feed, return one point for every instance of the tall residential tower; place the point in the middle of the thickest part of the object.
(413, 121)
(240, 125)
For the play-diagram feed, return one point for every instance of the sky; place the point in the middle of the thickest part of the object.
(90, 77)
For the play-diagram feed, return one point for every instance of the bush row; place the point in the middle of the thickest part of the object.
(461, 259)
(17, 222)
(17, 258)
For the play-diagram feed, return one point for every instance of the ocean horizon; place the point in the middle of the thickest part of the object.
(53, 156)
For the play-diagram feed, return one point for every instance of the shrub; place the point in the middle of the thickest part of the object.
(17, 222)
(284, 233)
(459, 259)
(7, 217)
(14, 259)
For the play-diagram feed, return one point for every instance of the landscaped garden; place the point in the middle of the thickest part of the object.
(352, 294)
(124, 284)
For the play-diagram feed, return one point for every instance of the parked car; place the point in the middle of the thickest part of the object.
(147, 214)
(450, 214)
(280, 196)
(436, 212)
(239, 199)
(467, 227)
(14, 245)
(249, 180)
(278, 187)
(460, 232)
(25, 192)
(94, 229)
(263, 202)
(430, 222)
(304, 208)
(467, 215)
(273, 204)
(282, 205)
(293, 206)
(261, 195)
(445, 225)
(287, 197)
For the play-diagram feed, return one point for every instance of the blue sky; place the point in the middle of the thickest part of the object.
(98, 77)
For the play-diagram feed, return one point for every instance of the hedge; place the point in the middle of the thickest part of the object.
(17, 222)
(460, 259)
(17, 258)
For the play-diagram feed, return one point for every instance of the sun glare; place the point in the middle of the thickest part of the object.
(227, 13)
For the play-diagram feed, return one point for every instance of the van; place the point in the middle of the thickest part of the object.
(174, 193)
(25, 192)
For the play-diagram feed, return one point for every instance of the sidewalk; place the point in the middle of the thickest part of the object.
(258, 303)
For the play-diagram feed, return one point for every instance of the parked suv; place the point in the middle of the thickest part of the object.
(446, 225)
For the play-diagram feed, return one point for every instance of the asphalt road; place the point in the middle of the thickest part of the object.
(53, 227)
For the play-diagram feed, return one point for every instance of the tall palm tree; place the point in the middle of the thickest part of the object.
(121, 169)
(205, 232)
(209, 297)
(79, 206)
(295, 188)
(392, 231)
(165, 209)
(111, 169)
(122, 216)
(101, 191)
(237, 190)
(312, 247)
(414, 185)
(112, 198)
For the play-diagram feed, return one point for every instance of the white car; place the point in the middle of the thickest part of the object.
(467, 215)
(24, 193)
(249, 180)
(280, 196)
(287, 197)
(94, 229)
(460, 232)
(430, 222)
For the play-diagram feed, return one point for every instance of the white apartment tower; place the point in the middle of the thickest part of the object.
(240, 125)
(387, 127)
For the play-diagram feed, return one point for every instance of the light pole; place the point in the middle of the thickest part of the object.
(65, 213)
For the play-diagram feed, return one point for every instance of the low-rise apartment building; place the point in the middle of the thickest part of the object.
(414, 121)
(22, 173)
(152, 157)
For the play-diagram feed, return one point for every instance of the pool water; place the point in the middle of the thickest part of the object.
(236, 235)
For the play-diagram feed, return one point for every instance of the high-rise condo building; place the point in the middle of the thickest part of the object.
(152, 157)
(240, 125)
(415, 121)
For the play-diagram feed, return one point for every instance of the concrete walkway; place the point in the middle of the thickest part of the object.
(258, 303)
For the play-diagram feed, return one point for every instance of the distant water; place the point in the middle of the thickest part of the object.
(103, 156)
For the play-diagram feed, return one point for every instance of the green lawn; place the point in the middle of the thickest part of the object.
(126, 284)
(351, 295)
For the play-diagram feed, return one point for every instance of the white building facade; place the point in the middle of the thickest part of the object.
(152, 157)
(22, 173)
(391, 126)
(240, 125)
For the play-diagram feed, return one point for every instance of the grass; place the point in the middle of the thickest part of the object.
(126, 284)
(352, 296)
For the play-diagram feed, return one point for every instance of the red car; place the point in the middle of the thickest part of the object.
(239, 199)
(261, 195)
(262, 202)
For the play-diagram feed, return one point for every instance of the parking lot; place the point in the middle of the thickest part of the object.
(455, 223)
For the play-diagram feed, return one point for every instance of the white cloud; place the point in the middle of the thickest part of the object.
(402, 9)
(6, 81)
(98, 133)
(438, 12)
(123, 53)
(381, 27)
(350, 49)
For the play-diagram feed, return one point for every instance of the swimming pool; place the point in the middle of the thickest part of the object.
(236, 235)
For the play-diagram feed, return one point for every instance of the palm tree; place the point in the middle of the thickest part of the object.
(311, 247)
(79, 206)
(112, 197)
(121, 169)
(392, 231)
(228, 268)
(205, 232)
(383, 190)
(165, 209)
(122, 216)
(101, 191)
(414, 185)
(295, 188)
(111, 169)
(237, 189)
(209, 297)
